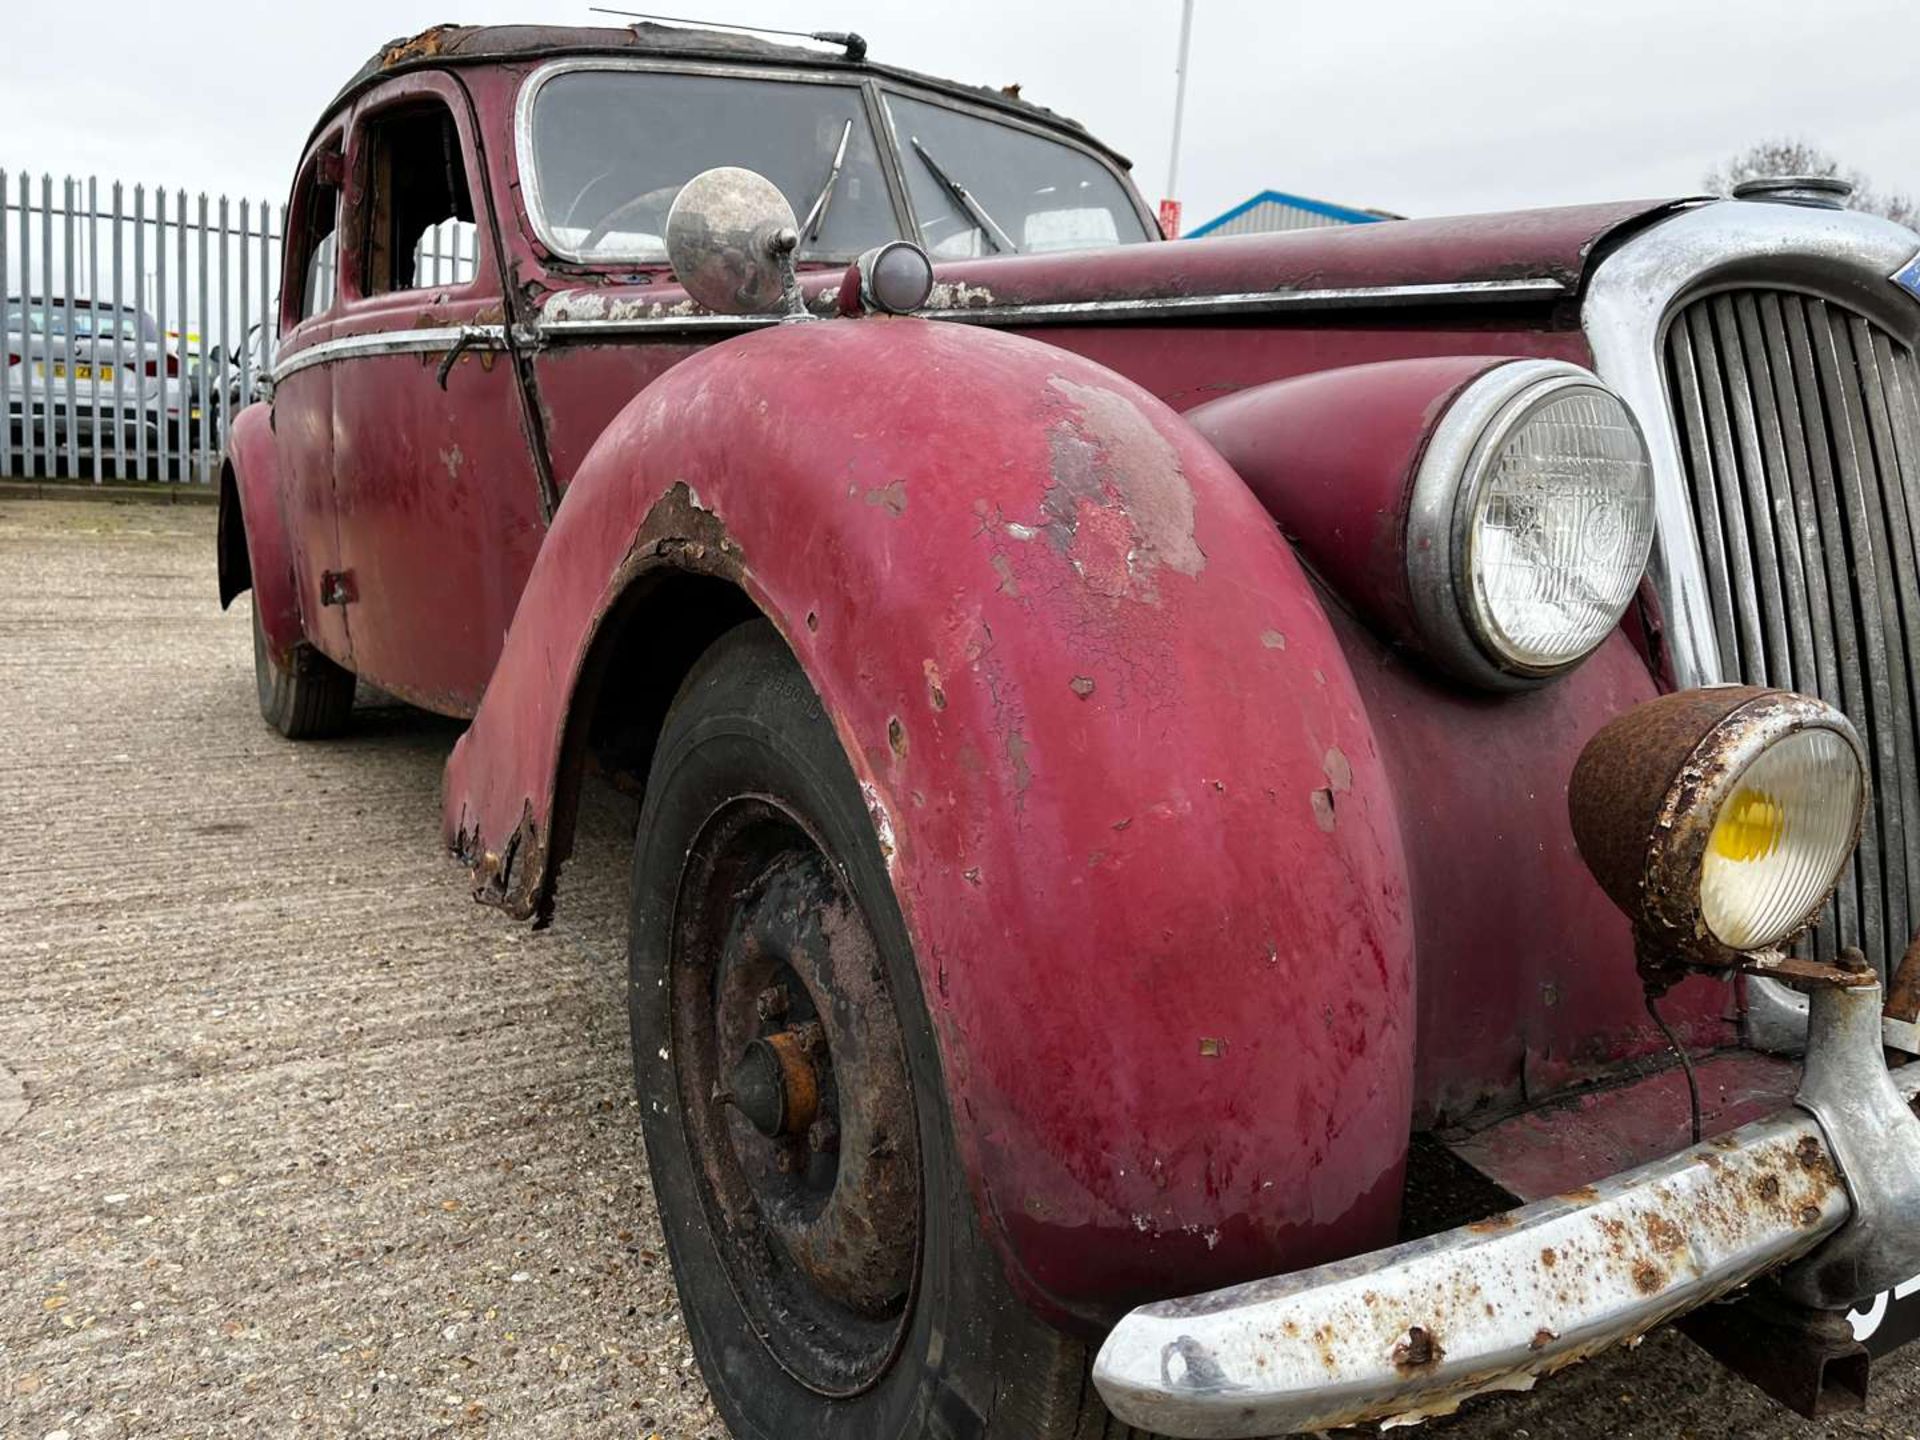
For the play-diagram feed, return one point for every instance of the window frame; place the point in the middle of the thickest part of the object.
(873, 90)
(413, 92)
(1149, 225)
(299, 241)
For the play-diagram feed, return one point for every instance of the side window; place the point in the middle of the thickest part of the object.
(315, 250)
(316, 292)
(420, 226)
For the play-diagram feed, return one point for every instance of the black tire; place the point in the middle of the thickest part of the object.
(753, 835)
(309, 698)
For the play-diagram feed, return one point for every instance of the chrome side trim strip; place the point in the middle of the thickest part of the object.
(431, 341)
(973, 305)
(545, 331)
(1259, 302)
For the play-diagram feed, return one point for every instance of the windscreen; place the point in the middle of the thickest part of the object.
(611, 149)
(981, 188)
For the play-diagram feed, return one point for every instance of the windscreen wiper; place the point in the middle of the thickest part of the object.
(963, 197)
(817, 212)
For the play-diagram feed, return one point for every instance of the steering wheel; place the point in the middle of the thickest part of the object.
(655, 201)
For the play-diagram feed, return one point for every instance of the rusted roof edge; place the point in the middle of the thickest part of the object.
(448, 46)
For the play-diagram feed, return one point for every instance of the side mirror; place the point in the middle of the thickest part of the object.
(730, 238)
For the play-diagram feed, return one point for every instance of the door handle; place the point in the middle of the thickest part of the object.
(469, 335)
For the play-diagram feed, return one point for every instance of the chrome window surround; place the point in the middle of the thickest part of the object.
(1838, 255)
(1452, 473)
(871, 89)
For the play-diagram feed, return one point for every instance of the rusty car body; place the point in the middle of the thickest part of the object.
(1238, 896)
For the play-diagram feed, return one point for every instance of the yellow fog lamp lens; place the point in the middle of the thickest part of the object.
(1749, 826)
(1720, 819)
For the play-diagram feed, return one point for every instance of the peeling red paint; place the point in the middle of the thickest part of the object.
(1018, 777)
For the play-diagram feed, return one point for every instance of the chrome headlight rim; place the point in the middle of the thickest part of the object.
(1453, 474)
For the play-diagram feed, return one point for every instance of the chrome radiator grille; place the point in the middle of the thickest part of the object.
(1799, 426)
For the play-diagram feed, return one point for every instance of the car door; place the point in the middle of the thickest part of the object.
(439, 499)
(303, 393)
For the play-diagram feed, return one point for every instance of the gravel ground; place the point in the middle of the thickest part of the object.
(297, 1140)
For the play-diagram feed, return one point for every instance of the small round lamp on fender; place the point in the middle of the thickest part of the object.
(891, 279)
(1720, 820)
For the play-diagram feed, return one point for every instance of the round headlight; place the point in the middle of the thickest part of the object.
(1720, 819)
(1531, 523)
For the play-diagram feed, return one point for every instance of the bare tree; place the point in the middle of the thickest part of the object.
(1789, 156)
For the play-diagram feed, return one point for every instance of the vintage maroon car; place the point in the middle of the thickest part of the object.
(1188, 860)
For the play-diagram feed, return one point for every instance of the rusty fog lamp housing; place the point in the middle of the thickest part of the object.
(1720, 820)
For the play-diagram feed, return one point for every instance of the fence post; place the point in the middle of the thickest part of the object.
(93, 300)
(69, 392)
(6, 375)
(120, 348)
(140, 338)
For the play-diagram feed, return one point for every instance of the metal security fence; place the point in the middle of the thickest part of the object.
(134, 326)
(139, 321)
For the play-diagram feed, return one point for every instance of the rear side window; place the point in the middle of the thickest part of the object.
(316, 291)
(420, 222)
(984, 188)
(313, 245)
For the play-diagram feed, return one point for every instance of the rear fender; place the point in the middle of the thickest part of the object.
(254, 552)
(1132, 809)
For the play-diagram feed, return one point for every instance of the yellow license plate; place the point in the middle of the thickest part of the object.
(83, 372)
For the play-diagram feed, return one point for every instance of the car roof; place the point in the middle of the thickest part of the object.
(71, 300)
(451, 45)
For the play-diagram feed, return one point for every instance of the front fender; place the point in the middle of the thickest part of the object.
(1134, 814)
(250, 514)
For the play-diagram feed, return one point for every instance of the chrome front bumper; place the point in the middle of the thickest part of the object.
(1829, 1189)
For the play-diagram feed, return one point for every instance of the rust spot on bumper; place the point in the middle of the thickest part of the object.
(1420, 1349)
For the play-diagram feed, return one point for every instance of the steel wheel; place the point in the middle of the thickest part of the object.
(796, 1097)
(831, 1264)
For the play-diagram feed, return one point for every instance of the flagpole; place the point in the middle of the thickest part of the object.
(1170, 205)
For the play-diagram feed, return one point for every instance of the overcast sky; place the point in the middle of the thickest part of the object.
(1422, 108)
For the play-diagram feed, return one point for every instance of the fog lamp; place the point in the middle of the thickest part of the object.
(895, 278)
(1720, 820)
